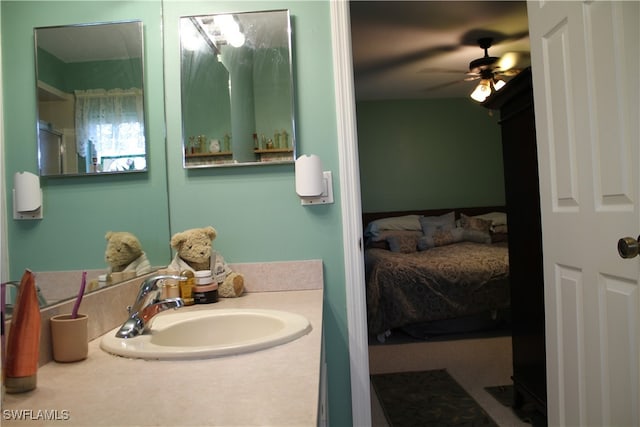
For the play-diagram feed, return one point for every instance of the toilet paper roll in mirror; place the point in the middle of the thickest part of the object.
(27, 193)
(309, 176)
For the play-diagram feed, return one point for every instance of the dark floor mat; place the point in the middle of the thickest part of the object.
(427, 398)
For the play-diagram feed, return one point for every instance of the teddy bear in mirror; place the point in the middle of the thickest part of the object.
(124, 255)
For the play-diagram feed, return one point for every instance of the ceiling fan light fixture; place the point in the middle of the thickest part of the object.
(482, 91)
(498, 84)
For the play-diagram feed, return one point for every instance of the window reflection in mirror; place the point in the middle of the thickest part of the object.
(90, 99)
(237, 89)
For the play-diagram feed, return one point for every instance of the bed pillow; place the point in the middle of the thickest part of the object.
(403, 243)
(384, 235)
(441, 238)
(476, 236)
(433, 224)
(476, 229)
(475, 223)
(406, 222)
(499, 228)
(496, 218)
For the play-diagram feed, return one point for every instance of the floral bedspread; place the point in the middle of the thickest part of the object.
(440, 283)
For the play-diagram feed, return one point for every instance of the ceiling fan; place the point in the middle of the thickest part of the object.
(489, 70)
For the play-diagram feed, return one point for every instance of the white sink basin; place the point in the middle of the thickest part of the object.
(198, 334)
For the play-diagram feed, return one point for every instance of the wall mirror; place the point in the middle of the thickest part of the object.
(237, 89)
(90, 99)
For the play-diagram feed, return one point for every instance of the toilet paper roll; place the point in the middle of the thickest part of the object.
(309, 177)
(28, 196)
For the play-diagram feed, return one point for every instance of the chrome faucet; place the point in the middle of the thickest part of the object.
(148, 303)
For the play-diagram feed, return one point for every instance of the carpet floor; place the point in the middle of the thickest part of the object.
(427, 398)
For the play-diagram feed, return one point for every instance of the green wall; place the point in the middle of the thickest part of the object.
(51, 70)
(272, 101)
(78, 211)
(428, 154)
(205, 100)
(111, 74)
(254, 208)
(106, 74)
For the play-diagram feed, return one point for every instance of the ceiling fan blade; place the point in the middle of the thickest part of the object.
(440, 70)
(509, 73)
(508, 61)
(389, 63)
(442, 86)
(471, 37)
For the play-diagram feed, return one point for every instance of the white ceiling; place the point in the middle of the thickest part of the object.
(422, 49)
(119, 40)
(80, 43)
(401, 49)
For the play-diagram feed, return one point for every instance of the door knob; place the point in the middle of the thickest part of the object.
(628, 247)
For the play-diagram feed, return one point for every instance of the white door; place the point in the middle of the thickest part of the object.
(586, 64)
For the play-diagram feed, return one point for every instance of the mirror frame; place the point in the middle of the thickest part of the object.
(264, 149)
(94, 163)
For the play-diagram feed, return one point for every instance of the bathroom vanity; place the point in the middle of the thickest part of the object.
(274, 386)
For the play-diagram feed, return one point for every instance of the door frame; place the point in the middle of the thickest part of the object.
(351, 203)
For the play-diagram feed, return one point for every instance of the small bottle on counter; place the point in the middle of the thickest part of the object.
(102, 281)
(206, 291)
(187, 286)
(172, 290)
(169, 287)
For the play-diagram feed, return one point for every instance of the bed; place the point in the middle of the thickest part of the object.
(434, 265)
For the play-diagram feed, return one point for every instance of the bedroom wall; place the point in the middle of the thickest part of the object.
(427, 154)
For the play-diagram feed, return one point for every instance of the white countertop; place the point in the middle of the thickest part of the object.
(278, 386)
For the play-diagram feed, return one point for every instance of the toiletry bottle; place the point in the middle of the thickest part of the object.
(23, 344)
(276, 140)
(206, 290)
(102, 281)
(172, 290)
(169, 287)
(186, 286)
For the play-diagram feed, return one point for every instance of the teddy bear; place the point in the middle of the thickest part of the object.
(124, 253)
(194, 251)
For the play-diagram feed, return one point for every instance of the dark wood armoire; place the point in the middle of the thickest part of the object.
(517, 122)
